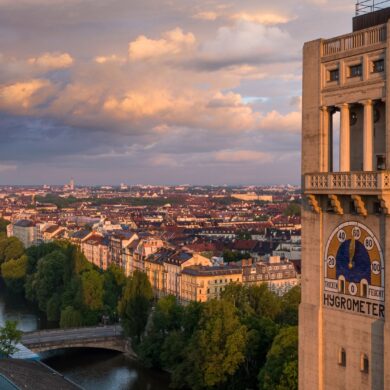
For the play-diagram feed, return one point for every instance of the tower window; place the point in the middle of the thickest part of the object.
(378, 66)
(355, 70)
(364, 363)
(334, 75)
(342, 358)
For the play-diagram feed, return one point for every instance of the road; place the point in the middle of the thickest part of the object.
(53, 335)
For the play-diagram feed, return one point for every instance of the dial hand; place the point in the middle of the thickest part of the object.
(352, 249)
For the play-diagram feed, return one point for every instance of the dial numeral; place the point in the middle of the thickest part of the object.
(352, 288)
(331, 262)
(375, 267)
(356, 233)
(341, 235)
(368, 243)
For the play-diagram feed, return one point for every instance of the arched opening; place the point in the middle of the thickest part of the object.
(341, 284)
(364, 288)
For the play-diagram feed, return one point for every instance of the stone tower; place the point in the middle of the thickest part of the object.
(343, 327)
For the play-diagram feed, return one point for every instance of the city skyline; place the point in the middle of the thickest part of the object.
(167, 93)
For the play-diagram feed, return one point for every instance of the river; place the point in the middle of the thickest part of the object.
(92, 369)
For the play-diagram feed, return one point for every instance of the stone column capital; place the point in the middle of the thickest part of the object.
(367, 102)
(343, 106)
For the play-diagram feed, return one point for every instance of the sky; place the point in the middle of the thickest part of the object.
(156, 91)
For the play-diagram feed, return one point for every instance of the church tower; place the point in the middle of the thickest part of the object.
(344, 335)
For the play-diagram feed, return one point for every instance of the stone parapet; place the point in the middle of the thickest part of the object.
(360, 39)
(348, 183)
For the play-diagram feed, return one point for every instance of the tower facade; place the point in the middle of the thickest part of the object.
(343, 326)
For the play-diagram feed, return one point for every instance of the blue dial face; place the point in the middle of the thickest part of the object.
(353, 262)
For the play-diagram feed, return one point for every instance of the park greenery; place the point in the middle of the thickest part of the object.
(231, 257)
(10, 335)
(245, 340)
(57, 278)
(3, 226)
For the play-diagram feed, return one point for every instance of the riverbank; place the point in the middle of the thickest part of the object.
(89, 368)
(105, 370)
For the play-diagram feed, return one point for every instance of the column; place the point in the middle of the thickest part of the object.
(368, 133)
(345, 142)
(325, 137)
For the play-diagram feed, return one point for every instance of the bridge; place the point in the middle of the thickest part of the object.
(106, 337)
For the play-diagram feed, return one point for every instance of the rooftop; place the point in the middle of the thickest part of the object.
(31, 375)
(24, 223)
(199, 270)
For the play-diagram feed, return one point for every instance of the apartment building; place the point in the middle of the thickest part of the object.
(202, 283)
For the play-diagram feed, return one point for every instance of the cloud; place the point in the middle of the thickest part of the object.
(290, 122)
(22, 94)
(242, 156)
(141, 104)
(173, 42)
(108, 59)
(8, 167)
(262, 18)
(229, 99)
(50, 61)
(206, 15)
(247, 42)
(218, 92)
(192, 109)
(163, 160)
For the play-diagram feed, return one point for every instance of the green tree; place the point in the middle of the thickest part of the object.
(36, 252)
(292, 210)
(10, 248)
(92, 289)
(53, 308)
(73, 294)
(281, 369)
(261, 333)
(289, 307)
(217, 347)
(3, 225)
(9, 336)
(135, 305)
(70, 318)
(48, 279)
(114, 282)
(14, 274)
(156, 349)
(230, 256)
(253, 300)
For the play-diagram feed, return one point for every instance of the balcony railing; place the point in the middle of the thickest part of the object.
(347, 182)
(367, 6)
(364, 38)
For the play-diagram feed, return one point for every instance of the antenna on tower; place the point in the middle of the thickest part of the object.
(367, 6)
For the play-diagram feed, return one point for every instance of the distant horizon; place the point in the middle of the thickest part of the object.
(81, 185)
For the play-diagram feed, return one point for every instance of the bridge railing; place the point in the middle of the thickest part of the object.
(117, 328)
